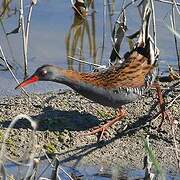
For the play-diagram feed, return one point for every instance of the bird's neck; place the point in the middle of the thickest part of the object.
(70, 78)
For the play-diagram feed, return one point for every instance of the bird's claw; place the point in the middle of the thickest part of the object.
(101, 130)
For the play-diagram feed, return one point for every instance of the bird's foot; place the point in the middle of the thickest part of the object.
(102, 129)
(166, 115)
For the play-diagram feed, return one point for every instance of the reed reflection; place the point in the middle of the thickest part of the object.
(81, 38)
(7, 9)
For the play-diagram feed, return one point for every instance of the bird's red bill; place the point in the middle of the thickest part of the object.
(28, 81)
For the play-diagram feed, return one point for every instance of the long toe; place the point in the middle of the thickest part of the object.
(102, 129)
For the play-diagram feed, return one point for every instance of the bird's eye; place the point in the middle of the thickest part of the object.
(43, 73)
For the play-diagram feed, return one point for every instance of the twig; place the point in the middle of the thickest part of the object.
(10, 70)
(175, 146)
(118, 32)
(104, 29)
(81, 61)
(76, 9)
(22, 21)
(162, 1)
(5, 68)
(49, 160)
(169, 105)
(167, 2)
(47, 166)
(127, 5)
(8, 43)
(34, 171)
(33, 2)
(109, 14)
(59, 167)
(93, 25)
(87, 28)
(90, 3)
(154, 24)
(173, 25)
(175, 4)
(6, 135)
(3, 173)
(54, 173)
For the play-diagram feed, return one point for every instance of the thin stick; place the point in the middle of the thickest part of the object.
(173, 31)
(93, 25)
(24, 37)
(28, 24)
(162, 1)
(169, 105)
(7, 133)
(154, 24)
(110, 15)
(104, 29)
(4, 175)
(173, 25)
(117, 36)
(59, 167)
(89, 63)
(175, 147)
(167, 2)
(175, 4)
(77, 10)
(86, 26)
(10, 70)
(9, 44)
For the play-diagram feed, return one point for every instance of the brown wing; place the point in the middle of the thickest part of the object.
(130, 74)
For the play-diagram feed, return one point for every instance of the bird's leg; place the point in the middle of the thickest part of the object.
(101, 129)
(164, 113)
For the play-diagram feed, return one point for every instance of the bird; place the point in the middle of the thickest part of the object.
(114, 86)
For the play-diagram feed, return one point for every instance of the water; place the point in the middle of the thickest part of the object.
(45, 170)
(52, 39)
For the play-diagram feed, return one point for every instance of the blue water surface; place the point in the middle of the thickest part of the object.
(52, 24)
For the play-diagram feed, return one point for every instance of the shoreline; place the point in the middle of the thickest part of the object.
(62, 115)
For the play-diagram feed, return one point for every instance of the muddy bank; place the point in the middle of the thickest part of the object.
(63, 115)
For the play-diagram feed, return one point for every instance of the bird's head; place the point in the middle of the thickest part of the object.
(44, 73)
